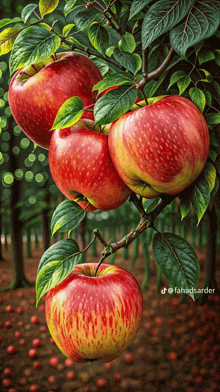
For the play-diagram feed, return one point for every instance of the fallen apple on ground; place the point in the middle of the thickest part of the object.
(160, 148)
(81, 167)
(37, 92)
(94, 317)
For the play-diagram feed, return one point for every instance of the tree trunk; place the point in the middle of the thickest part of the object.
(45, 221)
(28, 244)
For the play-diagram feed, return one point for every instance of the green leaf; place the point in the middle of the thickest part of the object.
(184, 207)
(177, 260)
(67, 29)
(137, 6)
(175, 77)
(33, 45)
(66, 217)
(7, 39)
(150, 204)
(127, 60)
(27, 11)
(201, 22)
(138, 60)
(7, 21)
(99, 37)
(198, 97)
(69, 113)
(68, 7)
(152, 86)
(111, 81)
(47, 6)
(113, 104)
(102, 65)
(201, 197)
(183, 83)
(55, 265)
(161, 17)
(205, 55)
(212, 118)
(127, 43)
(210, 175)
(85, 18)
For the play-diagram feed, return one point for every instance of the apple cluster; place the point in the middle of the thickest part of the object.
(159, 148)
(79, 157)
(94, 313)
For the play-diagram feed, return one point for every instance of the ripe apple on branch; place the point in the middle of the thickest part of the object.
(153, 148)
(37, 91)
(94, 316)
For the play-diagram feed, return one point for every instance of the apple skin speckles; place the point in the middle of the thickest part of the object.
(35, 101)
(165, 145)
(87, 170)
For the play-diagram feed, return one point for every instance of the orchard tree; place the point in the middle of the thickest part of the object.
(125, 95)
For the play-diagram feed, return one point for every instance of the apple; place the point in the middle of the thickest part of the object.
(36, 92)
(81, 167)
(160, 148)
(94, 317)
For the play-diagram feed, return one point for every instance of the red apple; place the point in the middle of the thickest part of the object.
(81, 167)
(34, 320)
(36, 92)
(94, 317)
(160, 148)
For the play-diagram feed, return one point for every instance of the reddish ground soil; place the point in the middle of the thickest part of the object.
(177, 347)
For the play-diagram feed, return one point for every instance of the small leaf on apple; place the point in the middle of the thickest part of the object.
(69, 113)
(66, 217)
(177, 260)
(55, 265)
(114, 103)
(32, 45)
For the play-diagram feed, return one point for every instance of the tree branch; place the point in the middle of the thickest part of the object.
(147, 221)
(157, 73)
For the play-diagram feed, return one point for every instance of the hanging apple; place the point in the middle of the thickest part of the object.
(160, 148)
(81, 167)
(37, 92)
(94, 317)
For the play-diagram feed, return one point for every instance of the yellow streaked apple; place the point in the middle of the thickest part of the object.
(94, 317)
